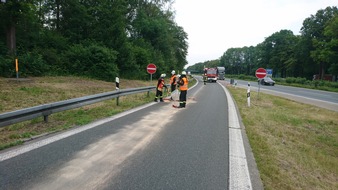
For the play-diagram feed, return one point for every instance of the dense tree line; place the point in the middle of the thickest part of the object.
(98, 39)
(315, 51)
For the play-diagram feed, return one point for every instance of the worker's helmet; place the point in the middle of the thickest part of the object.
(162, 75)
(184, 73)
(173, 72)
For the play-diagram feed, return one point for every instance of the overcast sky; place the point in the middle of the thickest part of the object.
(213, 26)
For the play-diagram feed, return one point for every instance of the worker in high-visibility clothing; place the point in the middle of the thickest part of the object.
(205, 78)
(173, 82)
(159, 88)
(183, 82)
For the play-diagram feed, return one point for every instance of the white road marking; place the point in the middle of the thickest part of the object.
(239, 177)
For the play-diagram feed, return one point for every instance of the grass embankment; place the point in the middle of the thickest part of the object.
(16, 95)
(31, 92)
(295, 145)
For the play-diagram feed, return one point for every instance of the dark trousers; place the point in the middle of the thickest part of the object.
(183, 98)
(159, 94)
(173, 87)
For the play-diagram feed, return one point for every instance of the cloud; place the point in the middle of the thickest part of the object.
(214, 26)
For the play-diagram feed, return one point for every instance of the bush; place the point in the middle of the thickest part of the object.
(92, 60)
(321, 83)
(299, 80)
(242, 77)
(7, 67)
(32, 64)
(280, 80)
(290, 80)
(6, 63)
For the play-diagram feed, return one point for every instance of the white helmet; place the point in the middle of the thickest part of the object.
(173, 72)
(163, 75)
(184, 73)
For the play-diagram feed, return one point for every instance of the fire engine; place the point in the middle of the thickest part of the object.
(211, 74)
(214, 73)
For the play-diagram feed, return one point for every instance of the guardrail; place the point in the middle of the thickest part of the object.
(45, 110)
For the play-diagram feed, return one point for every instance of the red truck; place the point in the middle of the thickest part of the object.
(211, 74)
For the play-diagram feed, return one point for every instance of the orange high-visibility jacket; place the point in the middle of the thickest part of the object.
(184, 86)
(173, 79)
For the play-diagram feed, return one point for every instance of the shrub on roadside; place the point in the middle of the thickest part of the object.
(32, 64)
(92, 60)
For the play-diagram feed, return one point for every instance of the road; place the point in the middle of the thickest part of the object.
(324, 99)
(151, 147)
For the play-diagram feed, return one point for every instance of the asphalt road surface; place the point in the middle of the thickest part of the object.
(152, 147)
(324, 99)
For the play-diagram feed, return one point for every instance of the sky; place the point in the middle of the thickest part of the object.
(213, 26)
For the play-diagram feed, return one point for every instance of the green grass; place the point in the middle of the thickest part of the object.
(33, 90)
(294, 144)
(51, 89)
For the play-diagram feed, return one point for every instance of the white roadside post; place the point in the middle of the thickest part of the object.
(117, 83)
(248, 94)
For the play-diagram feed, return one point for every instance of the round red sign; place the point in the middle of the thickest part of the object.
(151, 68)
(260, 73)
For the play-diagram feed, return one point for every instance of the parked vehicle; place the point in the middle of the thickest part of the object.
(266, 81)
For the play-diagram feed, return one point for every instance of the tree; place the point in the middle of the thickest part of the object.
(313, 30)
(15, 13)
(239, 60)
(59, 33)
(331, 47)
(161, 33)
(278, 52)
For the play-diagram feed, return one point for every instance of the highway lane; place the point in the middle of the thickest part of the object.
(157, 147)
(191, 153)
(324, 99)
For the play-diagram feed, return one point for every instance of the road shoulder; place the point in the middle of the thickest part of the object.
(254, 175)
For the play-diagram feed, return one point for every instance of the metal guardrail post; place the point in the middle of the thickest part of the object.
(45, 118)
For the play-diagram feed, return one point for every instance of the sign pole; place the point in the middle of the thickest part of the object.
(259, 88)
(260, 74)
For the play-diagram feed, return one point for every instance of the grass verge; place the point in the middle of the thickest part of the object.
(30, 92)
(295, 145)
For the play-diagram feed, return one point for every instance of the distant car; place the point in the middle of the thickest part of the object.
(266, 81)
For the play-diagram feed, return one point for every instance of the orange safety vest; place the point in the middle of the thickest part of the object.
(185, 84)
(172, 79)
